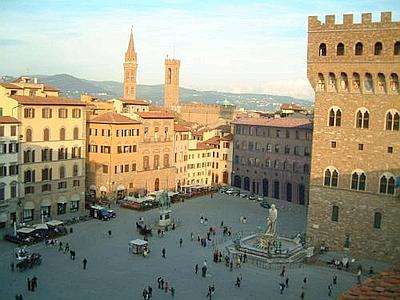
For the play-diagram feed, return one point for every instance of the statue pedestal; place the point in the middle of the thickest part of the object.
(267, 240)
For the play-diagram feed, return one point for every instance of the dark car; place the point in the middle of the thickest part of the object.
(252, 197)
(265, 204)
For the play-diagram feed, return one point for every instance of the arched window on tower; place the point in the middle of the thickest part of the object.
(335, 117)
(358, 179)
(394, 83)
(169, 76)
(378, 48)
(381, 82)
(322, 49)
(396, 48)
(368, 82)
(362, 118)
(321, 82)
(356, 81)
(358, 49)
(392, 120)
(340, 49)
(344, 82)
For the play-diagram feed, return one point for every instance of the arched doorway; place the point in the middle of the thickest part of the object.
(265, 187)
(276, 189)
(247, 183)
(289, 192)
(237, 182)
(157, 184)
(225, 177)
(301, 194)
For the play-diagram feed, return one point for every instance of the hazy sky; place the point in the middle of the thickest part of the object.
(227, 45)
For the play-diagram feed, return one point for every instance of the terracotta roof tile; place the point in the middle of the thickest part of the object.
(155, 115)
(50, 88)
(276, 122)
(213, 141)
(181, 128)
(35, 100)
(8, 120)
(290, 106)
(112, 118)
(135, 102)
(381, 286)
(10, 86)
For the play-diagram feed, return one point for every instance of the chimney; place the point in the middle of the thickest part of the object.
(35, 80)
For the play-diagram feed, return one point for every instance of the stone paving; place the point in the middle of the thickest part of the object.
(113, 273)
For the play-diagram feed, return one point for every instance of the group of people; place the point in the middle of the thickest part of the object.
(163, 285)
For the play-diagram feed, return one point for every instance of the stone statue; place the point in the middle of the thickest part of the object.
(163, 199)
(269, 238)
(271, 220)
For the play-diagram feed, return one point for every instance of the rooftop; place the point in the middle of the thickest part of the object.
(135, 102)
(275, 122)
(155, 115)
(8, 120)
(35, 100)
(385, 285)
(181, 128)
(290, 106)
(112, 118)
(10, 85)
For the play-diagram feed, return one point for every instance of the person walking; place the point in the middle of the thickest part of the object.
(281, 287)
(359, 276)
(302, 295)
(84, 263)
(287, 282)
(109, 233)
(163, 252)
(329, 290)
(244, 258)
(304, 282)
(159, 282)
(283, 271)
(172, 291)
(60, 245)
(66, 248)
(29, 283)
(34, 282)
(180, 242)
(162, 283)
(334, 279)
(12, 266)
(191, 236)
(150, 290)
(196, 269)
(166, 287)
(144, 293)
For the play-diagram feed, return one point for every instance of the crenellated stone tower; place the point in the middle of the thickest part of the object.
(171, 86)
(130, 70)
(354, 197)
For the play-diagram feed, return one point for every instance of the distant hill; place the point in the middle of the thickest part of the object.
(73, 87)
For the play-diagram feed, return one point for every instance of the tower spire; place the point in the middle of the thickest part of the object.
(130, 52)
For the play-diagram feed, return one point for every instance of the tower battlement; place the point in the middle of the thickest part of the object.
(172, 61)
(314, 24)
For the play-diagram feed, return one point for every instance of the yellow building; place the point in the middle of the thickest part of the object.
(52, 141)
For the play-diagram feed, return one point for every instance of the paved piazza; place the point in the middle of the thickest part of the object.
(113, 273)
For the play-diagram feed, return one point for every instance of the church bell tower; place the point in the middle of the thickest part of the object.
(130, 70)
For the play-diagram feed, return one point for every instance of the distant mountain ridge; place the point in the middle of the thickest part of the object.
(73, 87)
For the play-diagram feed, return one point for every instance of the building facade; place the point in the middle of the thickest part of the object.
(354, 200)
(271, 157)
(52, 146)
(9, 170)
(181, 151)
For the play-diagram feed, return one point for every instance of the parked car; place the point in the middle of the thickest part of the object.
(260, 198)
(232, 191)
(99, 212)
(243, 195)
(265, 204)
(253, 197)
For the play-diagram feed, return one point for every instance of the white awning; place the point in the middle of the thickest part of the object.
(92, 187)
(138, 242)
(41, 226)
(61, 200)
(103, 189)
(121, 188)
(54, 223)
(3, 217)
(29, 205)
(26, 230)
(45, 202)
